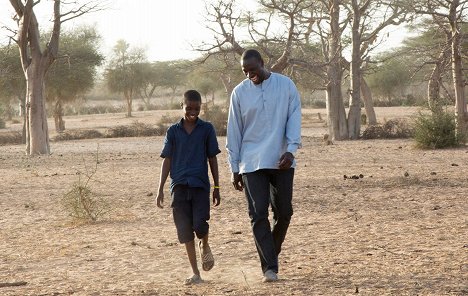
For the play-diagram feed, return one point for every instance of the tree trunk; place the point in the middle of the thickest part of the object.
(354, 115)
(337, 124)
(457, 72)
(129, 100)
(435, 82)
(58, 117)
(368, 102)
(37, 133)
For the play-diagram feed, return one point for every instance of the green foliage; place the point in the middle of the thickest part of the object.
(436, 130)
(74, 72)
(390, 79)
(2, 123)
(12, 81)
(127, 70)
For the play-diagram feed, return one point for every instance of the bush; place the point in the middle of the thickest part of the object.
(8, 138)
(78, 135)
(392, 129)
(218, 116)
(137, 129)
(436, 130)
(2, 123)
(80, 202)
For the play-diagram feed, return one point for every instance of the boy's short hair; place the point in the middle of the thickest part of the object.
(192, 96)
(251, 53)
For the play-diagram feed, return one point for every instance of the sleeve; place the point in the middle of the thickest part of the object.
(293, 125)
(212, 143)
(234, 133)
(168, 144)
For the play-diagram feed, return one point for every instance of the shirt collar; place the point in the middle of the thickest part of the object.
(180, 124)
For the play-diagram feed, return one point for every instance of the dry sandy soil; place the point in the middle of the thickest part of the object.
(401, 229)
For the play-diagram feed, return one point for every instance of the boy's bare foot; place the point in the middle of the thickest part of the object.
(194, 279)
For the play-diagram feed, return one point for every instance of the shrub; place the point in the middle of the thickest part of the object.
(8, 138)
(81, 202)
(436, 130)
(2, 123)
(78, 135)
(136, 129)
(392, 129)
(218, 116)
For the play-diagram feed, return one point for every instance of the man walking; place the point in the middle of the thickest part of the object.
(263, 134)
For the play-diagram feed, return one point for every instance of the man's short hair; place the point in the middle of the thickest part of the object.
(251, 53)
(192, 96)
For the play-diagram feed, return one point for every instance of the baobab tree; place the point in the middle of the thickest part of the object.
(36, 60)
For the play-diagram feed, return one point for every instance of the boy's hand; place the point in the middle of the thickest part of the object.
(286, 161)
(216, 197)
(236, 180)
(160, 199)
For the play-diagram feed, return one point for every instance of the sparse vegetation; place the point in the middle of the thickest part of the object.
(218, 116)
(391, 129)
(7, 138)
(81, 202)
(436, 130)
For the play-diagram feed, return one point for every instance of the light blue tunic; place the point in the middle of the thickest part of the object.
(264, 122)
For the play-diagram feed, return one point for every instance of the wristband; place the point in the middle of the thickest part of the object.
(216, 187)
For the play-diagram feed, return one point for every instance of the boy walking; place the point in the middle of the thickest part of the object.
(189, 146)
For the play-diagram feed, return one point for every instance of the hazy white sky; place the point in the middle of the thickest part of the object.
(166, 28)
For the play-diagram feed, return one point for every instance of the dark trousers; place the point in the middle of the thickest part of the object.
(262, 188)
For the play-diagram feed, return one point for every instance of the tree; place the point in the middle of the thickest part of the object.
(391, 77)
(450, 14)
(74, 72)
(35, 61)
(369, 18)
(126, 72)
(12, 82)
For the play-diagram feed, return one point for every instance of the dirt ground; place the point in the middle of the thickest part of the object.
(400, 229)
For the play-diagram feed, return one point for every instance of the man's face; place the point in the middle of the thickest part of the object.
(191, 110)
(253, 70)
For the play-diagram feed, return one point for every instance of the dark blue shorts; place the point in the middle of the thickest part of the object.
(191, 212)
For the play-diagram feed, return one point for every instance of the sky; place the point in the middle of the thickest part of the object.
(167, 29)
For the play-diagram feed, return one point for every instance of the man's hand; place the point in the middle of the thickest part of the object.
(216, 197)
(236, 180)
(160, 199)
(286, 161)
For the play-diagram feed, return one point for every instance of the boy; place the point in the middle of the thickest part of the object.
(188, 146)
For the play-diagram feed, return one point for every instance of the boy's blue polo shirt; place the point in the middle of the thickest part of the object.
(189, 153)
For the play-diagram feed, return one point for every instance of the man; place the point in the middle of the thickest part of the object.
(263, 133)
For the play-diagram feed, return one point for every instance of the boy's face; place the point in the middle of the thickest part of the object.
(191, 110)
(253, 70)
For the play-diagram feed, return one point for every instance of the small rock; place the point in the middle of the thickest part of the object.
(406, 174)
(433, 173)
(454, 164)
(149, 194)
